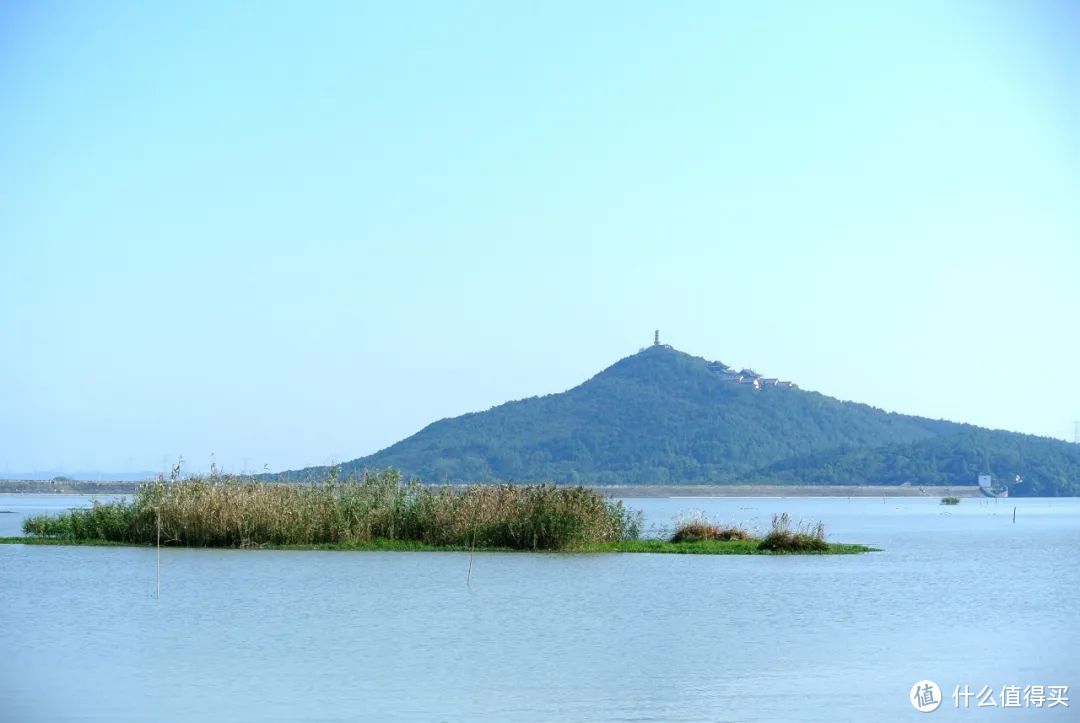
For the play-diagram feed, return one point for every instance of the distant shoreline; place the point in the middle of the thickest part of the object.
(45, 487)
(691, 491)
(39, 487)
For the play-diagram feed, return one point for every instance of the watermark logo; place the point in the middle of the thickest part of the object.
(925, 696)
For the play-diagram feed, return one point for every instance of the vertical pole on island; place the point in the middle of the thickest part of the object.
(472, 548)
(157, 581)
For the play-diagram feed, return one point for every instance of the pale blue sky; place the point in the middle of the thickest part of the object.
(294, 233)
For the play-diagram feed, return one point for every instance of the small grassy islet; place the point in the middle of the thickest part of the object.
(381, 512)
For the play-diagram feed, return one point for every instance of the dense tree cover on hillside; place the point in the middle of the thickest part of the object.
(1045, 467)
(661, 416)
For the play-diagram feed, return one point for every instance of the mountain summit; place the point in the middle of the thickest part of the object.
(663, 416)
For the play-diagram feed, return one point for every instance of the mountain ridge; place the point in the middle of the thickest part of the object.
(664, 416)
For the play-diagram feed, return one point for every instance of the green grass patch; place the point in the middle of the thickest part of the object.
(726, 547)
(950, 500)
(64, 541)
(651, 546)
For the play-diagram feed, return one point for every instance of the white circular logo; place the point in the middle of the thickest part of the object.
(925, 696)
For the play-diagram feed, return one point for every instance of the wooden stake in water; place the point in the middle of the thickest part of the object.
(157, 581)
(472, 548)
(1014, 515)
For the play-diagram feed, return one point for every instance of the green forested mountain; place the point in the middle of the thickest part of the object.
(662, 416)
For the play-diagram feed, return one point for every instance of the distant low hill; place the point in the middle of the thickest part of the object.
(662, 416)
(61, 476)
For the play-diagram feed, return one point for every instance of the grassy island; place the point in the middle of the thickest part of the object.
(380, 511)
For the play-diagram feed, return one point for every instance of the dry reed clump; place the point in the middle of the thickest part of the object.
(698, 529)
(804, 538)
(219, 511)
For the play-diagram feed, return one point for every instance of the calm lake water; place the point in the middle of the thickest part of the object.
(960, 595)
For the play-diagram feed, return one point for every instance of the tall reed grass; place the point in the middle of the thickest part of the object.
(783, 537)
(695, 528)
(222, 511)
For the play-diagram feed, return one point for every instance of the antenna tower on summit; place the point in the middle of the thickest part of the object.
(656, 338)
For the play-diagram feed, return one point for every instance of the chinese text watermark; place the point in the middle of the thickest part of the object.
(926, 696)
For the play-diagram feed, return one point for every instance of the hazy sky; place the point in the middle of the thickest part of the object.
(294, 233)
